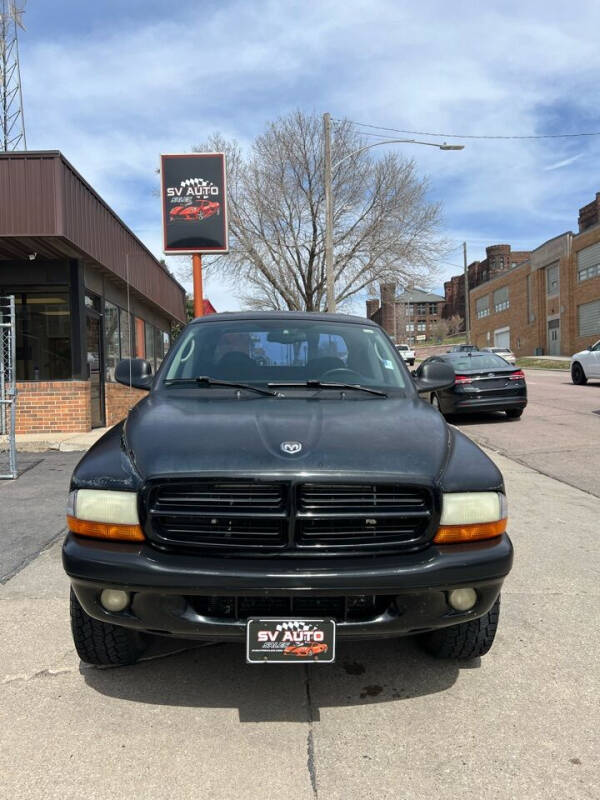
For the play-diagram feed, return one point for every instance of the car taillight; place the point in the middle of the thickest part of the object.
(463, 379)
(517, 376)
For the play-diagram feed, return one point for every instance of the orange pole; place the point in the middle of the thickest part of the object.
(198, 297)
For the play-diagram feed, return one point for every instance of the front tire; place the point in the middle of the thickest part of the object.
(102, 643)
(578, 375)
(435, 401)
(466, 640)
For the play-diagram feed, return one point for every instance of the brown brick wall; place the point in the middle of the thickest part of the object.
(388, 308)
(590, 215)
(583, 292)
(53, 406)
(527, 335)
(499, 260)
(118, 400)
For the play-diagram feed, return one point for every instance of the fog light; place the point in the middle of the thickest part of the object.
(115, 599)
(462, 599)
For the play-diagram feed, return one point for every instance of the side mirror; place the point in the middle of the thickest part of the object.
(134, 372)
(434, 377)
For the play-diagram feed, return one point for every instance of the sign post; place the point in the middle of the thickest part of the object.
(194, 210)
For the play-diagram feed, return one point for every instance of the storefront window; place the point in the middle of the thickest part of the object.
(43, 336)
(161, 347)
(125, 334)
(149, 336)
(112, 339)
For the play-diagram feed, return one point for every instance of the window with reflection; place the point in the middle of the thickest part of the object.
(150, 344)
(112, 338)
(126, 334)
(43, 340)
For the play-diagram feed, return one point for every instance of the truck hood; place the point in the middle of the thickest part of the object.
(181, 434)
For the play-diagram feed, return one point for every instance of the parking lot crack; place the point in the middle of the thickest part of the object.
(47, 672)
(310, 741)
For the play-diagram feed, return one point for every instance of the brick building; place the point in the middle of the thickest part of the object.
(407, 317)
(500, 258)
(550, 303)
(87, 293)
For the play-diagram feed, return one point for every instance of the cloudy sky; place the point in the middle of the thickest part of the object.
(113, 83)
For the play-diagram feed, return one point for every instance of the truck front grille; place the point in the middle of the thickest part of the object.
(294, 519)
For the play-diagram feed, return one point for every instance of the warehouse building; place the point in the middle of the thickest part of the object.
(550, 303)
(87, 292)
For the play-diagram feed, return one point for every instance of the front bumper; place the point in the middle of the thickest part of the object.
(171, 592)
(463, 404)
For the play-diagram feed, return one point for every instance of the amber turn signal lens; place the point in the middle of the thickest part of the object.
(105, 530)
(452, 534)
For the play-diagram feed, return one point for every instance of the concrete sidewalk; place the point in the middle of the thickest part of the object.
(65, 442)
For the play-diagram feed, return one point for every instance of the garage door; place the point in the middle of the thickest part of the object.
(502, 338)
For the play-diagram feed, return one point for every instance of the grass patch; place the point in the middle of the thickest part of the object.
(543, 363)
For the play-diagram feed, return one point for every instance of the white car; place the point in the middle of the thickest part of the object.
(503, 352)
(407, 354)
(586, 364)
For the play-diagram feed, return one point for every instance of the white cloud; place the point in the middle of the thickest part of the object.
(564, 163)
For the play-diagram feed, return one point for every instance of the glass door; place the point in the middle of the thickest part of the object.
(93, 328)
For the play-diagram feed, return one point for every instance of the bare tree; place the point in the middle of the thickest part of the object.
(385, 230)
(456, 324)
(439, 329)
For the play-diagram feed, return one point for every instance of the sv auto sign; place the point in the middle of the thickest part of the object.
(194, 203)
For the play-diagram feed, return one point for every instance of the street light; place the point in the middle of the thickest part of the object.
(329, 200)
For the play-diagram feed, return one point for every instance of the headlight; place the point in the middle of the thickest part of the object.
(469, 516)
(104, 515)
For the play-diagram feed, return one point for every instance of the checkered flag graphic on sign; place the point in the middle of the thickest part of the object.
(196, 182)
(296, 625)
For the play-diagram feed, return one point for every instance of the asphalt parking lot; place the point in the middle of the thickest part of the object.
(385, 721)
(559, 433)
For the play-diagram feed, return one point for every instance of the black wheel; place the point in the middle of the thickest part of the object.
(435, 401)
(577, 374)
(466, 640)
(102, 643)
(514, 413)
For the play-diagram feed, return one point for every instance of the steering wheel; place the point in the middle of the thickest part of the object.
(341, 375)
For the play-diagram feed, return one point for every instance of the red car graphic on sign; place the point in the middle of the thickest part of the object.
(305, 650)
(201, 210)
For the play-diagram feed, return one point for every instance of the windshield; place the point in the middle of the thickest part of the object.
(279, 350)
(463, 362)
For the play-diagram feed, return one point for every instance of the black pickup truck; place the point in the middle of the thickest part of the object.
(284, 485)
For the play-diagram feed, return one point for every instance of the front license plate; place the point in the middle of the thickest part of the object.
(290, 641)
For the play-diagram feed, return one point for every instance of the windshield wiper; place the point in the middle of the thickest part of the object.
(204, 380)
(320, 385)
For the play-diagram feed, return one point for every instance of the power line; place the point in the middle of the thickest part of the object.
(466, 135)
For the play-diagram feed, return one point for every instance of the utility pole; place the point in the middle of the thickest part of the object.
(467, 308)
(12, 122)
(330, 278)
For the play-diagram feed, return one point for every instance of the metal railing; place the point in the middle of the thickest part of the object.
(8, 389)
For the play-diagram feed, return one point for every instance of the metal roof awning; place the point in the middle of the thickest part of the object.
(47, 208)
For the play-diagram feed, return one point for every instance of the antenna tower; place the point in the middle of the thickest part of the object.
(12, 121)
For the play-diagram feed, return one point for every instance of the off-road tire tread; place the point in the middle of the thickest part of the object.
(102, 643)
(467, 640)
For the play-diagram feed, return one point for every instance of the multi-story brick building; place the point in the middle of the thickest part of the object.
(549, 304)
(407, 317)
(499, 260)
